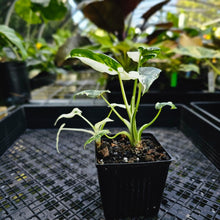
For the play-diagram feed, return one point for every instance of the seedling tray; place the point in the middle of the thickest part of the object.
(38, 183)
(210, 110)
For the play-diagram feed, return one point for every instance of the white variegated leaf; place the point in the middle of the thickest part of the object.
(74, 112)
(92, 93)
(97, 136)
(97, 61)
(134, 55)
(128, 76)
(147, 76)
(118, 105)
(160, 105)
(99, 124)
(103, 68)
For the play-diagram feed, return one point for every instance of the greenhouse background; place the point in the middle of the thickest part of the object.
(48, 30)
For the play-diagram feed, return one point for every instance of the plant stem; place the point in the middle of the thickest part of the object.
(124, 96)
(29, 28)
(9, 13)
(16, 53)
(78, 129)
(119, 116)
(213, 67)
(41, 30)
(148, 124)
(121, 132)
(107, 117)
(85, 119)
(133, 121)
(133, 96)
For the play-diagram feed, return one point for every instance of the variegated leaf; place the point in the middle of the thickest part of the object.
(92, 93)
(189, 67)
(118, 105)
(128, 76)
(99, 124)
(134, 55)
(160, 105)
(97, 136)
(74, 112)
(147, 76)
(97, 61)
(198, 52)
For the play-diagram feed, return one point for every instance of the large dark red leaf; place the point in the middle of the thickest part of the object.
(110, 14)
(153, 10)
(164, 25)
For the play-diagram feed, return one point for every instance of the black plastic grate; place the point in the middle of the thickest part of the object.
(38, 183)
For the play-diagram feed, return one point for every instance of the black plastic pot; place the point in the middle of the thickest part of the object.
(210, 110)
(132, 190)
(14, 83)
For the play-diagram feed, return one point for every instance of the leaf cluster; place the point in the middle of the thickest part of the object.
(143, 78)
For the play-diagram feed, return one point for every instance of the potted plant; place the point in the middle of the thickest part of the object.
(132, 165)
(206, 55)
(14, 88)
(41, 65)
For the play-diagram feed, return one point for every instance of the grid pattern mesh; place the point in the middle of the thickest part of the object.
(38, 183)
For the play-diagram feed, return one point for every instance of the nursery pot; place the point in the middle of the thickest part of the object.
(132, 189)
(14, 83)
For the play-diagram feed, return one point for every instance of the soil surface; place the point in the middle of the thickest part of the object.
(120, 151)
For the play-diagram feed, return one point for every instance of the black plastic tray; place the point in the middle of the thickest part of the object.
(38, 183)
(184, 97)
(210, 110)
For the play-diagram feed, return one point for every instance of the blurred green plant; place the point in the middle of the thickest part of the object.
(206, 55)
(201, 53)
(11, 45)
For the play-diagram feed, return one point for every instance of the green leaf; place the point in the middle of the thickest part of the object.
(92, 93)
(97, 136)
(24, 9)
(150, 51)
(97, 61)
(147, 76)
(10, 35)
(198, 52)
(56, 10)
(160, 105)
(73, 113)
(189, 67)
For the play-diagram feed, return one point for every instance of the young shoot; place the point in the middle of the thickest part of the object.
(143, 78)
(96, 130)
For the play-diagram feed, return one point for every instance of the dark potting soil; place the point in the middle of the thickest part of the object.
(120, 151)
